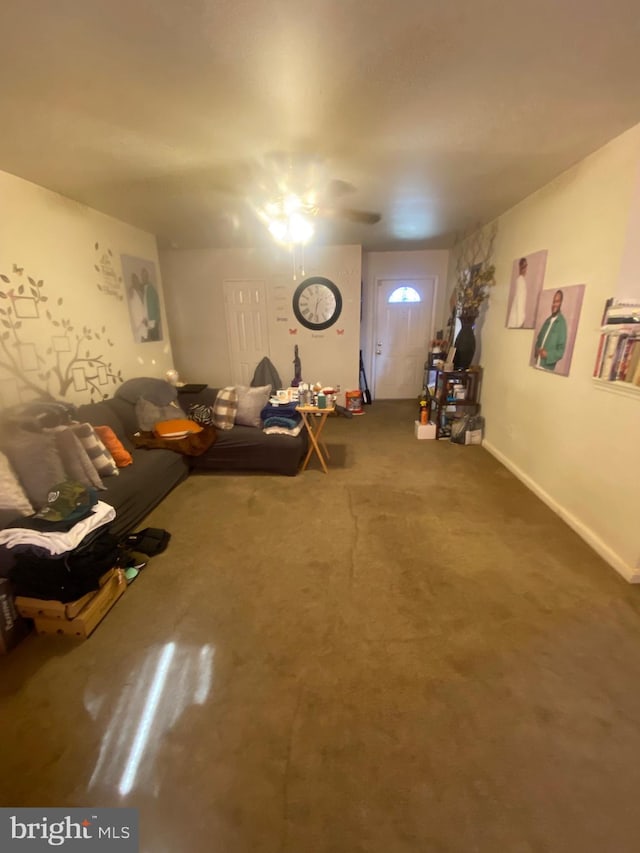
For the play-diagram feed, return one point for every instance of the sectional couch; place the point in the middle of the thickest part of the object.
(139, 487)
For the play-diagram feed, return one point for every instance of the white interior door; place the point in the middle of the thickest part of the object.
(246, 315)
(402, 335)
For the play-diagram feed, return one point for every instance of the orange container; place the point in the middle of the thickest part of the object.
(353, 401)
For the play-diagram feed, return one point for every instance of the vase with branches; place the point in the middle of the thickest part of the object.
(475, 276)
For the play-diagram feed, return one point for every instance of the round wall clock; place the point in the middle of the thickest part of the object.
(317, 303)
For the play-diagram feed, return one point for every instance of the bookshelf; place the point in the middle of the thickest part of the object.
(617, 364)
(455, 394)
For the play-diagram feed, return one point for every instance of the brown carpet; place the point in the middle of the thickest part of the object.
(411, 653)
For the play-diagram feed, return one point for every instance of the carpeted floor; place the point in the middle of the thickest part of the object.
(411, 653)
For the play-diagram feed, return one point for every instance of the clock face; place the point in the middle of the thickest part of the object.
(317, 303)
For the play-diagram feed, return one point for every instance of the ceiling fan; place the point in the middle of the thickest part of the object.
(288, 191)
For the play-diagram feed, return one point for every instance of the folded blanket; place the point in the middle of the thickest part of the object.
(286, 410)
(280, 430)
(290, 423)
(194, 444)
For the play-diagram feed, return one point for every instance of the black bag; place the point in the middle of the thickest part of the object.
(150, 541)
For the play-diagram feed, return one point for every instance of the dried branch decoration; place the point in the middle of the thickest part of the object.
(475, 272)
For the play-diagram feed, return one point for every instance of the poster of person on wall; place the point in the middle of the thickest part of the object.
(527, 275)
(556, 326)
(139, 276)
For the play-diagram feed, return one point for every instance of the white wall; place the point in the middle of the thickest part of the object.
(73, 330)
(399, 265)
(194, 292)
(574, 444)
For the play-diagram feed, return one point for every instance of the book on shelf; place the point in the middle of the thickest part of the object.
(608, 355)
(625, 358)
(600, 354)
(617, 357)
(634, 361)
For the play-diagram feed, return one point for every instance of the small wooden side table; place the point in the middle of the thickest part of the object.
(314, 426)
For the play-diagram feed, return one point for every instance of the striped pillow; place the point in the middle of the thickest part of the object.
(77, 465)
(13, 500)
(102, 460)
(201, 414)
(225, 408)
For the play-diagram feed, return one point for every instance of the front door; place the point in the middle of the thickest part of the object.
(246, 315)
(404, 327)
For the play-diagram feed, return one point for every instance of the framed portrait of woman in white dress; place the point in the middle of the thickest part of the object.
(527, 277)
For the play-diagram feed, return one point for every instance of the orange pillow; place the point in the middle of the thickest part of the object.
(121, 455)
(176, 428)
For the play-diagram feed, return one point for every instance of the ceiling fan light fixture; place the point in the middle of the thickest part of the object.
(300, 229)
(291, 204)
(287, 220)
(278, 230)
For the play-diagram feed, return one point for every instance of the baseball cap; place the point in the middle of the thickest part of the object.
(68, 501)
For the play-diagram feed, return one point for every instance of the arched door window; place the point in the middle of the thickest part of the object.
(405, 294)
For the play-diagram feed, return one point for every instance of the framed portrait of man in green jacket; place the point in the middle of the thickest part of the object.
(556, 325)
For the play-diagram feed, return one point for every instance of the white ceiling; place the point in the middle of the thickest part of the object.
(442, 114)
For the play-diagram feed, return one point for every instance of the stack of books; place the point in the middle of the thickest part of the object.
(618, 356)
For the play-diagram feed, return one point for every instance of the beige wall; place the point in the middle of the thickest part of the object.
(194, 287)
(574, 444)
(73, 330)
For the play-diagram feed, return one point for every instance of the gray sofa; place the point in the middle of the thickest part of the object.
(154, 473)
(246, 448)
(139, 487)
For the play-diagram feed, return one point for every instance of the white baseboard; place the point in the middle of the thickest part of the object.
(630, 574)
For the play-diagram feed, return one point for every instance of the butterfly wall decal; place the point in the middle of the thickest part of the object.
(293, 331)
(18, 270)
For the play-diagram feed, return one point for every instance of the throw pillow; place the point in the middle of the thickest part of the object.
(98, 454)
(251, 401)
(13, 501)
(225, 408)
(75, 458)
(35, 459)
(121, 455)
(176, 428)
(148, 414)
(201, 414)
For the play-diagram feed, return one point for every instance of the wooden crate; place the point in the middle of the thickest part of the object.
(33, 607)
(91, 614)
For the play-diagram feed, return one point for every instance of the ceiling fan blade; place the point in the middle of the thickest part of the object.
(337, 188)
(365, 217)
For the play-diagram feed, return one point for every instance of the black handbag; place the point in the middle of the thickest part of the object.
(150, 541)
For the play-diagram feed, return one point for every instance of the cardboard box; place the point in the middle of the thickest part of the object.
(91, 614)
(425, 430)
(32, 607)
(473, 436)
(13, 628)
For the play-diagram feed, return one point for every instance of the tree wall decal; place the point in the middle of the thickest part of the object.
(49, 371)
